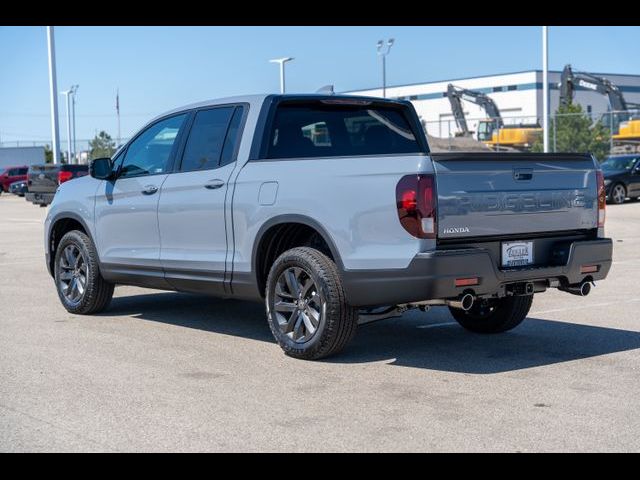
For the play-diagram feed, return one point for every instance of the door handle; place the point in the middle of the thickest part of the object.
(214, 184)
(150, 189)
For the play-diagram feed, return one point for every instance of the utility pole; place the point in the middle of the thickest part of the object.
(282, 61)
(545, 90)
(67, 94)
(53, 93)
(383, 51)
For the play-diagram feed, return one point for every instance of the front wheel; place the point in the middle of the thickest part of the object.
(494, 315)
(306, 306)
(80, 286)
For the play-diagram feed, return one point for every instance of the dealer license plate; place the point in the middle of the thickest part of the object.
(517, 254)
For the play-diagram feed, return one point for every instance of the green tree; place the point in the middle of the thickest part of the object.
(48, 154)
(102, 145)
(575, 132)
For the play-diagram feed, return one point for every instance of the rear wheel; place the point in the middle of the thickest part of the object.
(306, 306)
(494, 315)
(618, 194)
(80, 286)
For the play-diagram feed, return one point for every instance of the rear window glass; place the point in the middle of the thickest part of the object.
(323, 130)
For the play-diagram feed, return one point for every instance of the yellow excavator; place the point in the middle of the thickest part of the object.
(491, 131)
(626, 125)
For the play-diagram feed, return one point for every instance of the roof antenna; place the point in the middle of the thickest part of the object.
(326, 89)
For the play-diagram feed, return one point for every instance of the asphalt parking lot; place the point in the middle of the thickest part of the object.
(165, 371)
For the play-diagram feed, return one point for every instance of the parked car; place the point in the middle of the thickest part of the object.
(622, 177)
(8, 175)
(243, 198)
(44, 180)
(18, 188)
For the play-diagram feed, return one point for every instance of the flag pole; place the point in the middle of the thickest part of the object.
(118, 113)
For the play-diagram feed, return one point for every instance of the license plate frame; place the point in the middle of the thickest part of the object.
(516, 254)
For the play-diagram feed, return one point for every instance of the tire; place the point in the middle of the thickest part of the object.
(494, 316)
(304, 282)
(96, 293)
(618, 194)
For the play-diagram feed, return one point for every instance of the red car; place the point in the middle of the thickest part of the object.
(8, 175)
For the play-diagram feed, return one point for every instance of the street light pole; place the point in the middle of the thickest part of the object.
(53, 93)
(383, 51)
(545, 90)
(281, 61)
(67, 94)
(74, 89)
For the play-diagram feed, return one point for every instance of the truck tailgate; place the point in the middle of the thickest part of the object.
(502, 194)
(43, 178)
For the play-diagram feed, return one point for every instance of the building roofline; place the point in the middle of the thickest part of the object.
(481, 76)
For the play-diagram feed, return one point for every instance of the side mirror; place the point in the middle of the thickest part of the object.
(101, 169)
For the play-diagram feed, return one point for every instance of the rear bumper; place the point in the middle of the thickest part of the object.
(39, 198)
(432, 275)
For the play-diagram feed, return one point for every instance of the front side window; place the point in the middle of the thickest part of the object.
(149, 154)
(317, 129)
(206, 139)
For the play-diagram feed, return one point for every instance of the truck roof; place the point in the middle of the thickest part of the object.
(258, 99)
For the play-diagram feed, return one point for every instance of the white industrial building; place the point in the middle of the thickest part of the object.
(518, 95)
(18, 156)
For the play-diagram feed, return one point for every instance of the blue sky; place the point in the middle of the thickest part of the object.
(159, 68)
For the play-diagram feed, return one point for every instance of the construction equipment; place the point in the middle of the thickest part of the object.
(491, 131)
(625, 129)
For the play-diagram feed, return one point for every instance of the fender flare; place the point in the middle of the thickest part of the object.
(294, 218)
(56, 219)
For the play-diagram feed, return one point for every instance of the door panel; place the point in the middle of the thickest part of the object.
(126, 209)
(127, 221)
(634, 180)
(192, 226)
(191, 212)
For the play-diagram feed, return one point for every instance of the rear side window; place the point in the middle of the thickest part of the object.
(232, 139)
(315, 129)
(206, 139)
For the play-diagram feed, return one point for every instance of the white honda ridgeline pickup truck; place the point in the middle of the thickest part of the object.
(332, 211)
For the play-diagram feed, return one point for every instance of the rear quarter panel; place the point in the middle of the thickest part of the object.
(352, 198)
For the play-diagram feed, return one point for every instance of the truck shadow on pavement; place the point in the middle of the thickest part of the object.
(430, 340)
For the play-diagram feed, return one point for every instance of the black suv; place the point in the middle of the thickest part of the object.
(621, 177)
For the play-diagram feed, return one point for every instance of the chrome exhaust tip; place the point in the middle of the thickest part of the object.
(464, 303)
(580, 289)
(585, 288)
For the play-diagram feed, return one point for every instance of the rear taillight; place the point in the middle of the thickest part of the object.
(416, 204)
(63, 176)
(602, 198)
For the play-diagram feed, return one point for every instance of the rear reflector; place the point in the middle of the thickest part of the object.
(589, 268)
(602, 198)
(465, 282)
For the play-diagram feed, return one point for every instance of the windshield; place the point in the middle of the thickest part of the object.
(618, 163)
